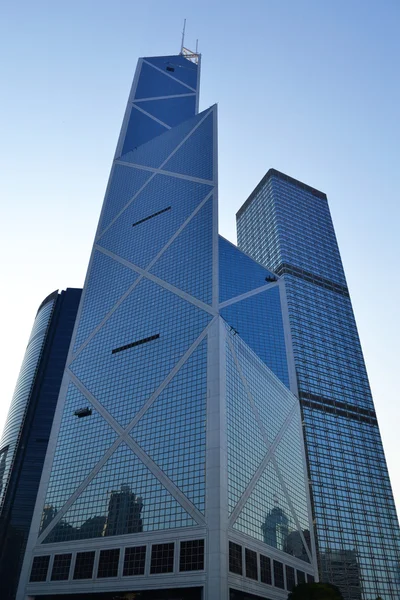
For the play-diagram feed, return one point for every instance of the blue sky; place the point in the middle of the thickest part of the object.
(308, 87)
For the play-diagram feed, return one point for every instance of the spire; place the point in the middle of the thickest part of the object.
(183, 36)
(189, 54)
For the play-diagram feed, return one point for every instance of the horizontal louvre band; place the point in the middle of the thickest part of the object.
(339, 408)
(285, 268)
(137, 343)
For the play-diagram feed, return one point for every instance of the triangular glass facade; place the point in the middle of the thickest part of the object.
(123, 498)
(175, 419)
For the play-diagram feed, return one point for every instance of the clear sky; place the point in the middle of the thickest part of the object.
(308, 87)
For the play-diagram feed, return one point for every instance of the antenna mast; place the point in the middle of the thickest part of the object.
(189, 54)
(183, 36)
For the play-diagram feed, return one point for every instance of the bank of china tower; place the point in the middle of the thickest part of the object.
(176, 464)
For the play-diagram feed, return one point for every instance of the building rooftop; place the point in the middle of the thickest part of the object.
(274, 173)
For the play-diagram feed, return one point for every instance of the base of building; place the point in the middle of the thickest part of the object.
(172, 594)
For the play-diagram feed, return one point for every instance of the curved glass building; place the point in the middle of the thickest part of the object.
(26, 433)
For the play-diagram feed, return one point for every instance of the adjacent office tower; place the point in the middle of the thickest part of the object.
(176, 465)
(286, 225)
(27, 429)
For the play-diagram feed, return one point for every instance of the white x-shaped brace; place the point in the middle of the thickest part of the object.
(124, 433)
(269, 456)
(190, 92)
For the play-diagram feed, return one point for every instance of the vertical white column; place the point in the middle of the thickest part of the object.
(216, 467)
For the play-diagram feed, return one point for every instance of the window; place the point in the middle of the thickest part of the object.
(162, 558)
(134, 561)
(39, 568)
(310, 578)
(108, 563)
(301, 577)
(278, 575)
(61, 565)
(160, 212)
(265, 569)
(290, 581)
(192, 556)
(235, 558)
(84, 565)
(137, 343)
(251, 564)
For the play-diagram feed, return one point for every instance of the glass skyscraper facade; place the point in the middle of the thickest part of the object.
(286, 226)
(26, 433)
(176, 465)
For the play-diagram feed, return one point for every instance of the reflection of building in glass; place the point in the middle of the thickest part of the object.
(124, 513)
(341, 568)
(26, 433)
(286, 225)
(93, 527)
(177, 429)
(294, 544)
(48, 514)
(275, 529)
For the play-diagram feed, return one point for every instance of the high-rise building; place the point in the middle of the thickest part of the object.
(27, 429)
(286, 226)
(176, 434)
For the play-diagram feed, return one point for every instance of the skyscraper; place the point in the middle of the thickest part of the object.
(176, 432)
(24, 441)
(286, 225)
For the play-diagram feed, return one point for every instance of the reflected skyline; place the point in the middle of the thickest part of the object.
(278, 532)
(124, 512)
(275, 528)
(341, 568)
(123, 517)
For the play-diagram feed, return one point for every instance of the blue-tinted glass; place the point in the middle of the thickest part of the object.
(246, 447)
(271, 399)
(184, 70)
(258, 405)
(122, 382)
(289, 460)
(20, 400)
(141, 244)
(123, 498)
(81, 444)
(171, 111)
(258, 321)
(108, 281)
(287, 226)
(172, 432)
(141, 128)
(125, 182)
(155, 152)
(187, 263)
(195, 156)
(32, 436)
(326, 347)
(267, 516)
(238, 273)
(308, 215)
(153, 83)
